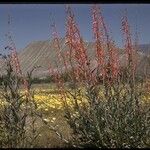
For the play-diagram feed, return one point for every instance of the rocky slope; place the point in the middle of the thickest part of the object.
(43, 53)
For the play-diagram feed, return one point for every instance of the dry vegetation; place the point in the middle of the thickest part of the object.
(104, 107)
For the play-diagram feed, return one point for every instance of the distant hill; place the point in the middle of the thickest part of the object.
(144, 48)
(43, 53)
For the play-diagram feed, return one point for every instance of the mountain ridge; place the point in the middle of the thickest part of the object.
(42, 53)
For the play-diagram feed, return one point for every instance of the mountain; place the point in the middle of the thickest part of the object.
(43, 53)
(144, 48)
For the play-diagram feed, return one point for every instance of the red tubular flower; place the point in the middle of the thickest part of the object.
(108, 68)
(99, 38)
(15, 62)
(135, 50)
(57, 72)
(129, 48)
(114, 61)
(78, 52)
(57, 46)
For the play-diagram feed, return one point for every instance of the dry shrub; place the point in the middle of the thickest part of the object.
(18, 112)
(107, 108)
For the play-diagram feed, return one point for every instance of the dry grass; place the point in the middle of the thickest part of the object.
(49, 139)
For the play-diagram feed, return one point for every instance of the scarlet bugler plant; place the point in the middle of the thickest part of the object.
(106, 114)
(18, 107)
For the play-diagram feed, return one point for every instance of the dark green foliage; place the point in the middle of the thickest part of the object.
(40, 81)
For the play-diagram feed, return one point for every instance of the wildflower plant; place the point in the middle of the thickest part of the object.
(107, 109)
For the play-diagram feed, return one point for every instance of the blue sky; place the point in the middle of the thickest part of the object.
(31, 22)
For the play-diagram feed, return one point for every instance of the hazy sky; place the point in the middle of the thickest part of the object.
(31, 22)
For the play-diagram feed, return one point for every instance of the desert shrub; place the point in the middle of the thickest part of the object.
(116, 120)
(107, 108)
(18, 107)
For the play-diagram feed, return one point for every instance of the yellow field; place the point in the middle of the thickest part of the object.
(48, 98)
